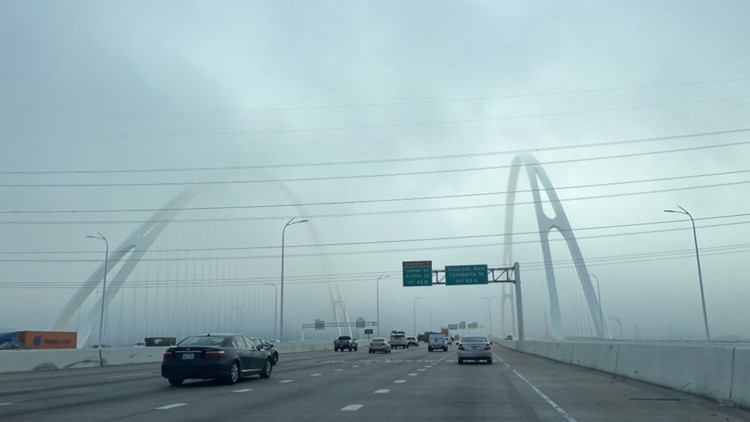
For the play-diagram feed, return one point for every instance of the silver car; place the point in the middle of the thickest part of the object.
(379, 344)
(474, 348)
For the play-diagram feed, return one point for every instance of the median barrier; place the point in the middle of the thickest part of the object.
(699, 369)
(720, 372)
(48, 359)
(741, 377)
(599, 356)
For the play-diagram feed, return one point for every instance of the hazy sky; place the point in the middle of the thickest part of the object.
(295, 102)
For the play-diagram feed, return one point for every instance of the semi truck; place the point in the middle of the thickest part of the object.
(41, 339)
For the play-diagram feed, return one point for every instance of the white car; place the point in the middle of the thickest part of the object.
(474, 348)
(449, 341)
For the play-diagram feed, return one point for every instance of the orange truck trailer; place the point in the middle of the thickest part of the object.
(42, 339)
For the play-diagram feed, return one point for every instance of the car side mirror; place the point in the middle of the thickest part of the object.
(259, 347)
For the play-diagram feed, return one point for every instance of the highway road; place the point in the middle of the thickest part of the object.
(410, 384)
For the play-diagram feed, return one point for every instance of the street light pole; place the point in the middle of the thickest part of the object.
(415, 314)
(283, 231)
(489, 309)
(615, 319)
(377, 299)
(275, 308)
(698, 260)
(104, 291)
(599, 293)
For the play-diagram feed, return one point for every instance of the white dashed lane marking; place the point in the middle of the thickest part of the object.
(286, 381)
(244, 390)
(5, 404)
(171, 406)
(412, 375)
(421, 369)
(382, 391)
(352, 407)
(355, 366)
(338, 370)
(399, 381)
(315, 375)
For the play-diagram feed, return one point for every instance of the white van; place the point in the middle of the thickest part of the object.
(436, 341)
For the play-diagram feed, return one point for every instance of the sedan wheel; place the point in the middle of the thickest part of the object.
(267, 368)
(234, 373)
(175, 381)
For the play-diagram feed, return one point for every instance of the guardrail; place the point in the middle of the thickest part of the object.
(717, 371)
(52, 359)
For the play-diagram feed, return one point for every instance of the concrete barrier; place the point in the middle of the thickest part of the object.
(703, 370)
(741, 377)
(599, 356)
(717, 371)
(52, 359)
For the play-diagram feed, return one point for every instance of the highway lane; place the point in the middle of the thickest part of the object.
(312, 386)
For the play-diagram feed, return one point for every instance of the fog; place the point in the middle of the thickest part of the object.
(391, 127)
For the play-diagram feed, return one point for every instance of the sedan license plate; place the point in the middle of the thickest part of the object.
(186, 356)
(474, 347)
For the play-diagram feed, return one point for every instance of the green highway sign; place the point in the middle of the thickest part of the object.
(473, 325)
(453, 326)
(368, 330)
(461, 275)
(417, 273)
(462, 325)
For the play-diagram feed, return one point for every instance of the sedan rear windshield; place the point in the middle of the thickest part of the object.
(474, 340)
(203, 341)
(377, 340)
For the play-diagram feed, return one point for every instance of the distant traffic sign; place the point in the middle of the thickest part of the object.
(368, 330)
(460, 275)
(417, 273)
(360, 322)
(453, 326)
(473, 325)
(462, 325)
(320, 324)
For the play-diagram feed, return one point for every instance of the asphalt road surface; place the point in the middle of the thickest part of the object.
(411, 384)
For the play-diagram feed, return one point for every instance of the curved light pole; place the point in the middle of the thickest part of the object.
(698, 259)
(104, 291)
(275, 308)
(377, 299)
(489, 309)
(415, 314)
(283, 231)
(614, 318)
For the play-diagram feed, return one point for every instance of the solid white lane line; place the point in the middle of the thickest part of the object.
(382, 391)
(286, 381)
(547, 399)
(500, 360)
(399, 381)
(315, 375)
(171, 406)
(129, 375)
(352, 407)
(244, 390)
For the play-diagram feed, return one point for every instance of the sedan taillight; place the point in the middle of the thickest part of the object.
(486, 347)
(217, 354)
(168, 356)
(461, 347)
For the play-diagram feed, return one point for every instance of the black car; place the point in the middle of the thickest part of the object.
(268, 347)
(222, 356)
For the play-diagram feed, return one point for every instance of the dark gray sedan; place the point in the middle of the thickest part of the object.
(227, 357)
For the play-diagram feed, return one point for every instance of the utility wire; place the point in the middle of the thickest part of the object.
(367, 213)
(365, 252)
(379, 126)
(380, 242)
(380, 160)
(384, 104)
(362, 176)
(372, 201)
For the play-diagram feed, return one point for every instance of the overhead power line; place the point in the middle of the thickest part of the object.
(365, 252)
(382, 241)
(363, 213)
(371, 276)
(364, 176)
(380, 126)
(382, 160)
(384, 103)
(373, 201)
